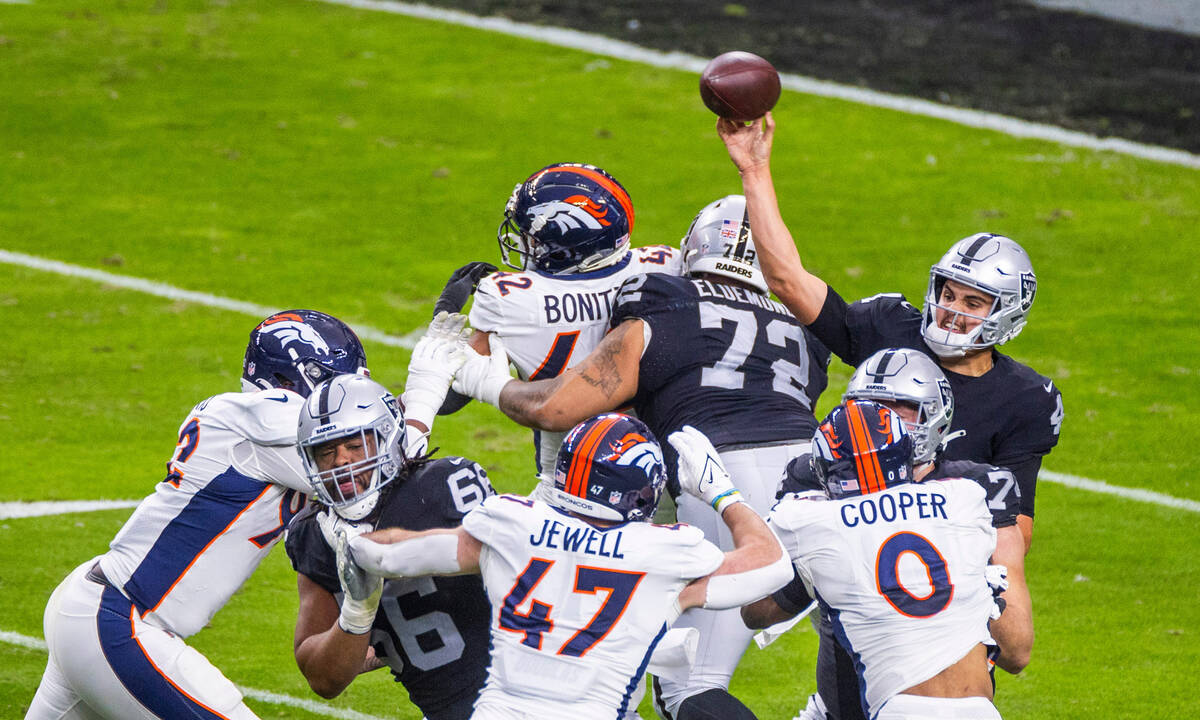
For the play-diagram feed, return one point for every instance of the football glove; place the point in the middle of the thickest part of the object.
(997, 580)
(461, 286)
(360, 590)
(484, 376)
(437, 355)
(701, 472)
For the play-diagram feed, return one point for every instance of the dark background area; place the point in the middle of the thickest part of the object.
(1076, 71)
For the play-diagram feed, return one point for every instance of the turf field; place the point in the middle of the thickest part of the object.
(300, 154)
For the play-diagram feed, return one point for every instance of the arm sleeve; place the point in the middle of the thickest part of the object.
(831, 326)
(279, 464)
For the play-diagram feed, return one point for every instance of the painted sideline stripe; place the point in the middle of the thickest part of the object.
(266, 696)
(163, 290)
(620, 50)
(1082, 483)
(10, 510)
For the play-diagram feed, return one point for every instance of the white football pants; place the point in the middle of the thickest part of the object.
(757, 473)
(913, 707)
(107, 664)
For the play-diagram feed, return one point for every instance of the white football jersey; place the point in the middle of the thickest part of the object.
(901, 574)
(549, 323)
(234, 484)
(577, 609)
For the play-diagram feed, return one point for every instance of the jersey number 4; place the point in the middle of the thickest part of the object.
(536, 620)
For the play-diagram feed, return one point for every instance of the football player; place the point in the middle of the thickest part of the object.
(431, 632)
(979, 297)
(116, 627)
(566, 233)
(584, 586)
(711, 350)
(909, 383)
(902, 569)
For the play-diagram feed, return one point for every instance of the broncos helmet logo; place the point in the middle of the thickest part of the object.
(575, 212)
(827, 442)
(290, 329)
(636, 451)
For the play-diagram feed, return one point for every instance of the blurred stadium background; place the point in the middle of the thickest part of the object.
(281, 154)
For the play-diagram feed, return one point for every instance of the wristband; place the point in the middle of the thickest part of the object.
(730, 497)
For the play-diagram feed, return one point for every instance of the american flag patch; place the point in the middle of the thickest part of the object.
(849, 485)
(730, 229)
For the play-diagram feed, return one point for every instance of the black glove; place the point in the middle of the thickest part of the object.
(461, 285)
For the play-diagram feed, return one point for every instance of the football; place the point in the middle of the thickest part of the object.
(739, 86)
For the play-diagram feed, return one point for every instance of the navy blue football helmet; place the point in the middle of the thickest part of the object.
(297, 349)
(861, 447)
(566, 218)
(611, 468)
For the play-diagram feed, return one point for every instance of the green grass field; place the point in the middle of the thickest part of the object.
(300, 154)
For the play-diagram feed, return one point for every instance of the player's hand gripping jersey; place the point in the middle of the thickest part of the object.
(1011, 414)
(582, 657)
(232, 487)
(431, 631)
(901, 573)
(728, 361)
(551, 322)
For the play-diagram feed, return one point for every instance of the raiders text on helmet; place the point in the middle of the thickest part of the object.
(365, 420)
(908, 376)
(861, 447)
(566, 218)
(992, 264)
(296, 349)
(609, 467)
(719, 241)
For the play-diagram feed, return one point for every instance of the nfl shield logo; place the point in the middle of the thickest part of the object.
(614, 497)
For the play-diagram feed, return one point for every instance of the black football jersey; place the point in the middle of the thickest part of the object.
(433, 632)
(1011, 415)
(726, 360)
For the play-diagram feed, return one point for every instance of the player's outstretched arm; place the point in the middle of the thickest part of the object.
(328, 656)
(758, 565)
(394, 552)
(1013, 630)
(749, 147)
(605, 380)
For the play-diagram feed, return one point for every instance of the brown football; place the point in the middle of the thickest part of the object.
(739, 85)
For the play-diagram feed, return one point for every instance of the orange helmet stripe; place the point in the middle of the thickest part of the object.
(866, 459)
(608, 184)
(581, 464)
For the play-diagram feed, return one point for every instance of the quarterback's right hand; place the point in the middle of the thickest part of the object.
(701, 472)
(484, 376)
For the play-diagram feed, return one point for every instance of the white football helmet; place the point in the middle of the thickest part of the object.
(351, 438)
(719, 242)
(992, 264)
(909, 376)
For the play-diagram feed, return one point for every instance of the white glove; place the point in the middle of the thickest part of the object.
(360, 590)
(997, 580)
(484, 376)
(435, 358)
(701, 473)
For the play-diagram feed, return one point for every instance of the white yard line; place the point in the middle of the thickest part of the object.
(312, 706)
(163, 290)
(407, 341)
(620, 50)
(9, 510)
